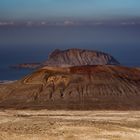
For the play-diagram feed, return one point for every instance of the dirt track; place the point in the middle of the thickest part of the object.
(69, 125)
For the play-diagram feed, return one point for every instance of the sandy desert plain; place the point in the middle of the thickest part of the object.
(69, 125)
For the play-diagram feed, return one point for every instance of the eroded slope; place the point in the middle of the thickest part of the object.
(80, 87)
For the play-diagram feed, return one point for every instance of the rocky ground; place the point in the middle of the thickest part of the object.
(69, 125)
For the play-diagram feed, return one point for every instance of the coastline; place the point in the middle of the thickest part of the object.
(7, 81)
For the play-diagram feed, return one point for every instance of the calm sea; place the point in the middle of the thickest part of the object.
(33, 44)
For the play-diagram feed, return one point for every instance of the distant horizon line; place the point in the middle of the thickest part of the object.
(68, 22)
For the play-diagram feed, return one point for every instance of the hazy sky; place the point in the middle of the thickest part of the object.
(63, 9)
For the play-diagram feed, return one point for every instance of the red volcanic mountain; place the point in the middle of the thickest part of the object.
(78, 87)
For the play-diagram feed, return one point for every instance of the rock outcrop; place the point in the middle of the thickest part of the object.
(78, 87)
(79, 57)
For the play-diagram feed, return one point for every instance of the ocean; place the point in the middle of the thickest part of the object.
(33, 44)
